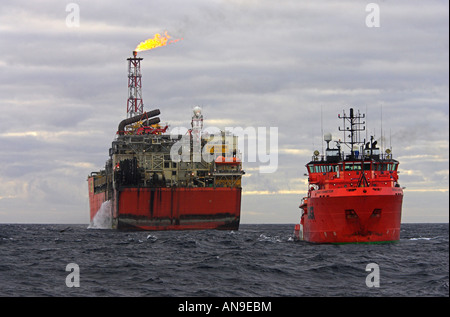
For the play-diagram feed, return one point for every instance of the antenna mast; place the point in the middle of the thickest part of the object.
(381, 141)
(321, 124)
(355, 127)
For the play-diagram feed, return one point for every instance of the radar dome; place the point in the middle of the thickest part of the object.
(197, 110)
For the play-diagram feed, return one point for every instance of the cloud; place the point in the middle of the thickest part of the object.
(291, 64)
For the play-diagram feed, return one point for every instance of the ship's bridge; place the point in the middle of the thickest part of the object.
(368, 165)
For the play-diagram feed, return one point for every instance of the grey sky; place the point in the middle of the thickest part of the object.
(248, 64)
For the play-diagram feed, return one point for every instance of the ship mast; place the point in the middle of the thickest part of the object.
(354, 125)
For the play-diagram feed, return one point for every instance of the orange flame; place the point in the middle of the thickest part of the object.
(156, 41)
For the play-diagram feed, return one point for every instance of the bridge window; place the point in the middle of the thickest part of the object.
(381, 167)
(392, 166)
(352, 166)
(322, 168)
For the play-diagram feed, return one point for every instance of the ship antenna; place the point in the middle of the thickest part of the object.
(381, 122)
(367, 130)
(356, 126)
(382, 148)
(390, 139)
(321, 125)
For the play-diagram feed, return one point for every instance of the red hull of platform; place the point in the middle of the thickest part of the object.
(173, 208)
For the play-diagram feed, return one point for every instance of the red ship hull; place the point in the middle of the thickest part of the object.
(173, 208)
(357, 215)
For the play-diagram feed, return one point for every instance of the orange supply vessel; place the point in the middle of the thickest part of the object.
(352, 197)
(159, 181)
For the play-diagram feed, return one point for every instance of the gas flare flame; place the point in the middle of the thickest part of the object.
(157, 41)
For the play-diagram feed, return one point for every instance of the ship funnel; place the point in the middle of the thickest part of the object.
(145, 115)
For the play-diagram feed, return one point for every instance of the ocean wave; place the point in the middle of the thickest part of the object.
(257, 260)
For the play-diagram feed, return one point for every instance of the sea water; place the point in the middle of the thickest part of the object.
(257, 260)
